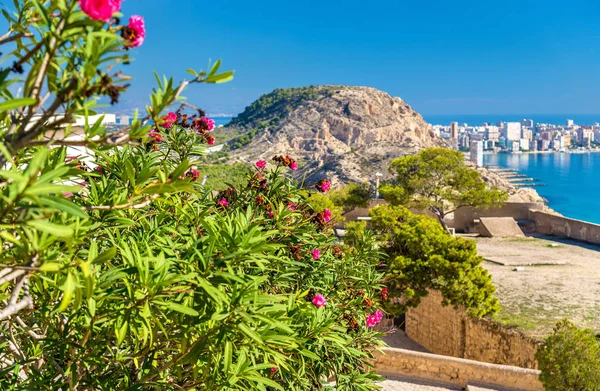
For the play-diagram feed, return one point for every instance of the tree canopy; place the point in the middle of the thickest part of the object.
(438, 180)
(422, 256)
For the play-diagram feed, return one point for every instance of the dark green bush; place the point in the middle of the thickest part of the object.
(570, 359)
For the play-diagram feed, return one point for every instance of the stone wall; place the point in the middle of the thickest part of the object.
(550, 224)
(455, 371)
(465, 216)
(451, 332)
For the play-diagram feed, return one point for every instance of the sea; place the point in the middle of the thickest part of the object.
(570, 180)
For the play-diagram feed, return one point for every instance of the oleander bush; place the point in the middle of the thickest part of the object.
(120, 271)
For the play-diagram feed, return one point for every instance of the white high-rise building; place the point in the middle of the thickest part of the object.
(477, 153)
(512, 131)
(570, 123)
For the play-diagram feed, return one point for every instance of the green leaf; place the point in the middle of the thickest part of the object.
(53, 229)
(16, 103)
(180, 308)
(64, 205)
(250, 333)
(68, 289)
(214, 68)
(49, 188)
(105, 256)
(227, 358)
(50, 267)
(169, 188)
(220, 78)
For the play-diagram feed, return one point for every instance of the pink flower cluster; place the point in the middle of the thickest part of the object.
(208, 122)
(261, 164)
(135, 33)
(223, 202)
(169, 120)
(374, 318)
(316, 254)
(291, 205)
(324, 185)
(102, 10)
(326, 215)
(193, 175)
(155, 137)
(319, 300)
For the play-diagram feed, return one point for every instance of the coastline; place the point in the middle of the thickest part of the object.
(574, 151)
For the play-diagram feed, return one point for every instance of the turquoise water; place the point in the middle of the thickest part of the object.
(572, 185)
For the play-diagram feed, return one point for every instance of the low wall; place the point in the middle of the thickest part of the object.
(455, 371)
(464, 217)
(452, 332)
(549, 224)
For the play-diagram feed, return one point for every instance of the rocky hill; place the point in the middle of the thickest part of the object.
(338, 132)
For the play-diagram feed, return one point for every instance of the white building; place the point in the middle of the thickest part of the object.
(477, 153)
(109, 119)
(524, 144)
(570, 123)
(512, 131)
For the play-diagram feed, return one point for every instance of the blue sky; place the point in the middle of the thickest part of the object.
(442, 57)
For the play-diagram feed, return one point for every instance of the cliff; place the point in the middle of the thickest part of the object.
(336, 132)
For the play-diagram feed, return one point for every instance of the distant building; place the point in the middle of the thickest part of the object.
(477, 153)
(492, 133)
(512, 130)
(454, 130)
(528, 123)
(515, 146)
(464, 141)
(125, 120)
(585, 136)
(488, 144)
(570, 123)
(527, 134)
(109, 119)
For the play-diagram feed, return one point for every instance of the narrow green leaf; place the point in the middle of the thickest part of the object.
(16, 103)
(53, 229)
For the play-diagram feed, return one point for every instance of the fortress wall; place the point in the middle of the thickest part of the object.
(452, 332)
(456, 371)
(464, 217)
(550, 224)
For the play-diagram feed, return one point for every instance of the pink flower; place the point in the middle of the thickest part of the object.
(371, 321)
(135, 32)
(324, 185)
(374, 318)
(171, 117)
(319, 301)
(193, 175)
(273, 370)
(210, 140)
(316, 254)
(156, 137)
(100, 9)
(326, 215)
(294, 166)
(291, 205)
(271, 215)
(209, 122)
(261, 164)
(223, 202)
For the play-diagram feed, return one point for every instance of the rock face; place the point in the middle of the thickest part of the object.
(341, 133)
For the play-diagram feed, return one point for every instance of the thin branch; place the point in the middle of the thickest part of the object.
(17, 267)
(6, 38)
(12, 276)
(10, 310)
(131, 205)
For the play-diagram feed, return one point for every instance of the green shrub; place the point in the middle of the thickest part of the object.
(569, 359)
(132, 275)
(422, 256)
